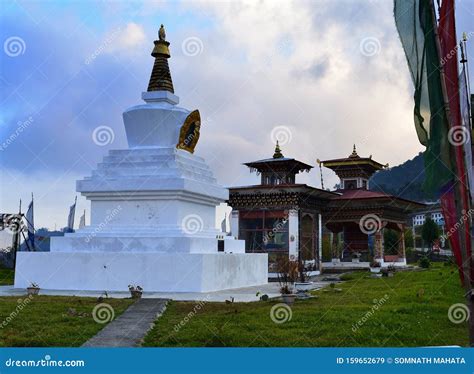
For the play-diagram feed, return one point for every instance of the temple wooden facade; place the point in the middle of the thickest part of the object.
(279, 216)
(283, 218)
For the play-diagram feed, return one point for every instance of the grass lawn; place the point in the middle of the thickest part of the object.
(6, 276)
(414, 312)
(44, 321)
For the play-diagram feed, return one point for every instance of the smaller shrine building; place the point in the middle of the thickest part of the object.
(357, 216)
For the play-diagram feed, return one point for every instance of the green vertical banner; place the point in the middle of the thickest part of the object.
(431, 52)
(417, 31)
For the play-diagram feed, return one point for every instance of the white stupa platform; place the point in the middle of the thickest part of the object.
(153, 211)
(153, 271)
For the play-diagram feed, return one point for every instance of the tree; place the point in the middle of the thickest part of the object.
(409, 239)
(326, 248)
(390, 241)
(430, 232)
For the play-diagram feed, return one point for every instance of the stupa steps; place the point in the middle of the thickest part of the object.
(150, 153)
(147, 169)
(155, 159)
(146, 165)
(158, 175)
(153, 231)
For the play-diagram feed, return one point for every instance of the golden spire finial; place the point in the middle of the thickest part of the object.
(354, 152)
(162, 33)
(161, 45)
(160, 79)
(277, 153)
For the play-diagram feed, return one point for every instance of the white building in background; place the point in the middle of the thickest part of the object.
(420, 218)
(433, 211)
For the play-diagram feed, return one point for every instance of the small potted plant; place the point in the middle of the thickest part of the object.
(135, 291)
(287, 294)
(263, 297)
(33, 289)
(287, 275)
(356, 257)
(303, 283)
(391, 270)
(375, 267)
(336, 259)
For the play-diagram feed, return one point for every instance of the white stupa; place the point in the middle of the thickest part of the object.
(152, 212)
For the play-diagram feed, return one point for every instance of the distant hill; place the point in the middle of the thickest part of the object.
(405, 180)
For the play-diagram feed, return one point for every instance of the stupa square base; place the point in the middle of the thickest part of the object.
(154, 272)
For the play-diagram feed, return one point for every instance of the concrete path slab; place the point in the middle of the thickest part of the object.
(246, 294)
(349, 266)
(131, 326)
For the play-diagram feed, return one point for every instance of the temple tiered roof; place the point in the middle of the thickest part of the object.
(278, 163)
(354, 165)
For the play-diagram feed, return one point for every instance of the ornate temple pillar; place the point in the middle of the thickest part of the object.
(379, 244)
(234, 223)
(293, 230)
(401, 244)
(320, 241)
(334, 247)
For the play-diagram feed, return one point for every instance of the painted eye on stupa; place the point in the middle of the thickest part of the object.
(190, 131)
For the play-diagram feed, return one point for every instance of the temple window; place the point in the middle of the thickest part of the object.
(350, 184)
(265, 232)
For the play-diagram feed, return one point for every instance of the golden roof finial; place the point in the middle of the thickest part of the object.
(354, 152)
(162, 33)
(160, 79)
(161, 45)
(277, 153)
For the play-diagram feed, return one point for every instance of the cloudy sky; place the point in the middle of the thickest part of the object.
(318, 75)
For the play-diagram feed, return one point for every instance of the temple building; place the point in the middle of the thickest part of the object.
(279, 216)
(357, 217)
(284, 218)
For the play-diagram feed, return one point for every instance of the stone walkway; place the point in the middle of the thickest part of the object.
(131, 326)
(351, 266)
(246, 294)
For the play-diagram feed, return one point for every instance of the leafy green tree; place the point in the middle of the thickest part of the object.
(409, 243)
(326, 250)
(390, 241)
(430, 232)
